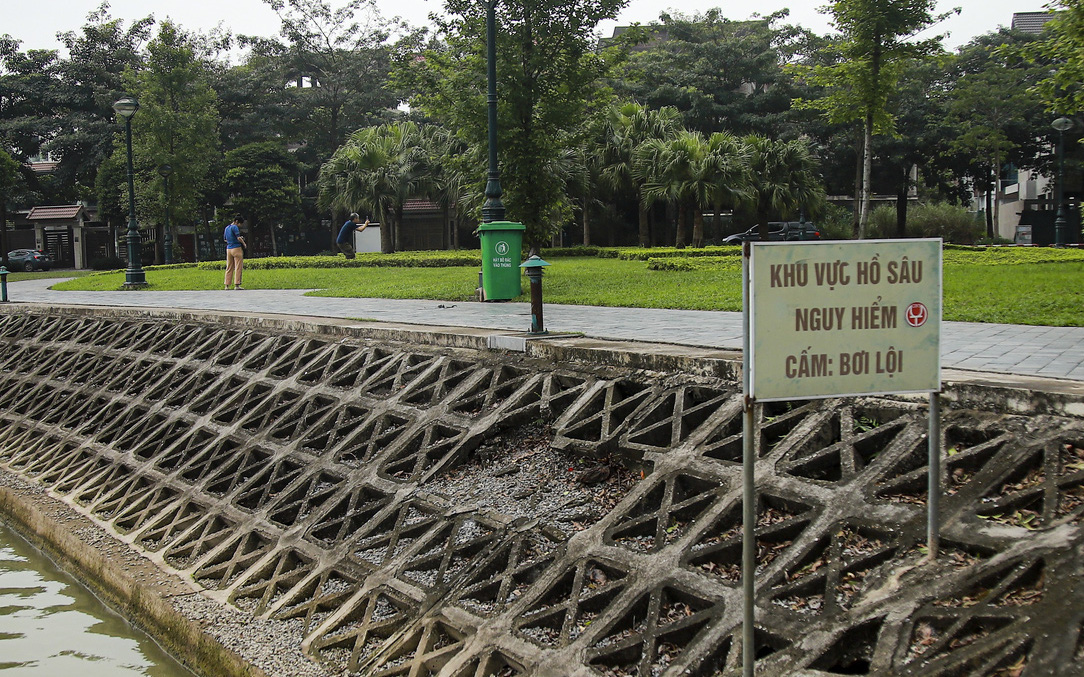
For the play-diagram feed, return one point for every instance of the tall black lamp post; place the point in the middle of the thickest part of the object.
(1061, 221)
(493, 209)
(134, 277)
(167, 244)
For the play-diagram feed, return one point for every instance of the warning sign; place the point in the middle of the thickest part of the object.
(830, 319)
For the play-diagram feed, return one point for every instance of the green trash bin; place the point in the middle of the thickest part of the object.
(502, 243)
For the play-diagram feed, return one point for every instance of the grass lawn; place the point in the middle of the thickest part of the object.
(989, 290)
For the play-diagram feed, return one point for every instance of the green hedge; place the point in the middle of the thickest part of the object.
(1010, 256)
(570, 251)
(420, 259)
(644, 254)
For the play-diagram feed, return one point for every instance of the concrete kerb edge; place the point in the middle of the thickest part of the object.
(143, 606)
(989, 391)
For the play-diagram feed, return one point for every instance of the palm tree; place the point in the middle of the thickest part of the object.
(376, 169)
(677, 170)
(728, 160)
(784, 179)
(438, 178)
(583, 165)
(627, 126)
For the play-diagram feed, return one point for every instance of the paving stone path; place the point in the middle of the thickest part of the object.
(1052, 352)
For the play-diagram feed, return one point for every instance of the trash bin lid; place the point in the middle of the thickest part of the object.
(501, 225)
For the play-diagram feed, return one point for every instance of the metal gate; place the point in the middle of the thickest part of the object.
(58, 244)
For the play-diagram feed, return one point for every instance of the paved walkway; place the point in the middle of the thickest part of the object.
(1055, 352)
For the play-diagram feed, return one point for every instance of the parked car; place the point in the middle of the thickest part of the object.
(778, 230)
(28, 260)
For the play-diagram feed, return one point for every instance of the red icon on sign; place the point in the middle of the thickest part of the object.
(916, 314)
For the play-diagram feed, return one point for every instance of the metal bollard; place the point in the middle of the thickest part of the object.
(3, 284)
(533, 267)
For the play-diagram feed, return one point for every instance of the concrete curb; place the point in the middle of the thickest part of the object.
(961, 388)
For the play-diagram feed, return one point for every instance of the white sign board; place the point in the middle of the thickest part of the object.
(839, 318)
(367, 240)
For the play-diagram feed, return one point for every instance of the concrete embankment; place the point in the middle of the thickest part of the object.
(305, 497)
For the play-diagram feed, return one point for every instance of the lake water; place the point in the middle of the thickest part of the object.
(52, 626)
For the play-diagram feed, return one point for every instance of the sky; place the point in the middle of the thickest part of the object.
(37, 22)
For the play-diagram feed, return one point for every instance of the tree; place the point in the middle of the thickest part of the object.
(720, 74)
(1061, 48)
(920, 146)
(10, 178)
(693, 173)
(673, 170)
(89, 81)
(28, 98)
(783, 179)
(338, 65)
(627, 126)
(176, 125)
(547, 70)
(876, 38)
(993, 114)
(728, 168)
(261, 179)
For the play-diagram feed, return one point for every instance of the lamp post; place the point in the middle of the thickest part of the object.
(493, 209)
(167, 244)
(1061, 221)
(134, 277)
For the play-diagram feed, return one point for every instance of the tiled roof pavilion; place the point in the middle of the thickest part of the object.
(54, 213)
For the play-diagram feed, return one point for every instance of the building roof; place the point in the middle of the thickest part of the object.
(418, 205)
(1030, 22)
(55, 213)
(43, 166)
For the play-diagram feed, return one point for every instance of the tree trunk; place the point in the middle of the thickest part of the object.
(989, 211)
(698, 227)
(586, 225)
(762, 222)
(901, 206)
(995, 228)
(856, 205)
(274, 240)
(645, 228)
(387, 245)
(3, 231)
(867, 175)
(397, 242)
(679, 239)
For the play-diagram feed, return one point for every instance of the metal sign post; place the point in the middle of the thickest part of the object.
(749, 509)
(837, 319)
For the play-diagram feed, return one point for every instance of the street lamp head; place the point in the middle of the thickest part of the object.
(126, 107)
(1062, 124)
(165, 171)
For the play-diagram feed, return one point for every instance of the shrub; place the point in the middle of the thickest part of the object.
(646, 254)
(951, 223)
(837, 223)
(670, 263)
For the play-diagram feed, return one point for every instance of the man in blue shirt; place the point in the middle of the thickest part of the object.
(235, 255)
(345, 241)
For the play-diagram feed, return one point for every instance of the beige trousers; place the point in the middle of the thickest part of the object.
(235, 262)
